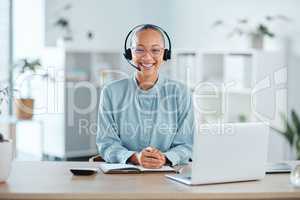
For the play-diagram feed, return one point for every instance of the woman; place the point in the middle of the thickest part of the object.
(147, 119)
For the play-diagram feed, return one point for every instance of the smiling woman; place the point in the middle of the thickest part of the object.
(147, 55)
(158, 110)
(147, 39)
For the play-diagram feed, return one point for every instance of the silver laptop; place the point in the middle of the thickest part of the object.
(227, 152)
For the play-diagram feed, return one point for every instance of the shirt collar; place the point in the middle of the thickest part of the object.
(152, 90)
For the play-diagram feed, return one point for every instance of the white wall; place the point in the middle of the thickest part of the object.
(28, 28)
(193, 20)
(110, 20)
(4, 40)
(4, 50)
(188, 22)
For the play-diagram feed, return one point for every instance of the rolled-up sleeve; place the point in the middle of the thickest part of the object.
(108, 139)
(181, 148)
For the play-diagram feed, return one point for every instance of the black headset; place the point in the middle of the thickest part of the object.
(127, 51)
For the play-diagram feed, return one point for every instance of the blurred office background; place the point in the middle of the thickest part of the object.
(239, 58)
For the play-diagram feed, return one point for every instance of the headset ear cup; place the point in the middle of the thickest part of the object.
(167, 55)
(128, 54)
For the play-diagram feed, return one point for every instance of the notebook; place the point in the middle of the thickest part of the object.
(109, 168)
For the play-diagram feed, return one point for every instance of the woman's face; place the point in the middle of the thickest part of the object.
(147, 52)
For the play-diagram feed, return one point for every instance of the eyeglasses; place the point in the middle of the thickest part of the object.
(140, 51)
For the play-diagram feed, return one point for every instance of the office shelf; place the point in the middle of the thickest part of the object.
(228, 81)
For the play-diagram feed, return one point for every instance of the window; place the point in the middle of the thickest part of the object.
(4, 40)
(5, 45)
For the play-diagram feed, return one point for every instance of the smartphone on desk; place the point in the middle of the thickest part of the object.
(84, 171)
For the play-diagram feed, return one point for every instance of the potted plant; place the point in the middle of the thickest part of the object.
(5, 158)
(24, 105)
(62, 22)
(255, 31)
(292, 132)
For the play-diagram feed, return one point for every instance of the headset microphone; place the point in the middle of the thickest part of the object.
(136, 67)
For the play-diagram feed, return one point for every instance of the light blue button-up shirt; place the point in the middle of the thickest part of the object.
(131, 119)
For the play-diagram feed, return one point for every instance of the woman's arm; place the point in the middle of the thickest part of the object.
(108, 139)
(181, 148)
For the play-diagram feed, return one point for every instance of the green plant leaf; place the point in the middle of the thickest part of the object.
(29, 65)
(263, 29)
(217, 23)
(296, 122)
(289, 134)
(62, 22)
(243, 21)
(297, 146)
